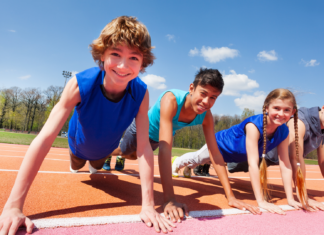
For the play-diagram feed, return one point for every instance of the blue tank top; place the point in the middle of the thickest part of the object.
(231, 142)
(98, 124)
(154, 115)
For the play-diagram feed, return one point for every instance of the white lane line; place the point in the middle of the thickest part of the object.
(104, 173)
(62, 159)
(86, 221)
(25, 152)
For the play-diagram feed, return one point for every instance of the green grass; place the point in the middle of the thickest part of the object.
(311, 162)
(26, 139)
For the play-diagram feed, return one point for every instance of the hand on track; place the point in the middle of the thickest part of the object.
(175, 210)
(271, 208)
(315, 205)
(151, 217)
(11, 219)
(295, 204)
(244, 206)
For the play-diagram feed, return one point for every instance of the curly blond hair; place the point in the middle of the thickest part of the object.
(124, 29)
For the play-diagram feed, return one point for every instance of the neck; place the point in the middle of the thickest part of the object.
(271, 127)
(113, 91)
(187, 114)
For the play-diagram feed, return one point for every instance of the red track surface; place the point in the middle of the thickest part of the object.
(57, 193)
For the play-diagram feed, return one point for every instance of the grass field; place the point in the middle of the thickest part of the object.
(26, 139)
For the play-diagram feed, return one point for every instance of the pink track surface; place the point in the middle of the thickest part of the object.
(295, 222)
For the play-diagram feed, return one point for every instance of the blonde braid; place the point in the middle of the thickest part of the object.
(300, 180)
(263, 166)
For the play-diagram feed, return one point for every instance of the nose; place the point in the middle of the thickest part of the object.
(205, 101)
(281, 112)
(122, 63)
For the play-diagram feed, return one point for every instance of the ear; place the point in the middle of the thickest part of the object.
(191, 88)
(294, 111)
(267, 109)
(323, 108)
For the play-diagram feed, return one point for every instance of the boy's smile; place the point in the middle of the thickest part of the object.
(121, 64)
(203, 97)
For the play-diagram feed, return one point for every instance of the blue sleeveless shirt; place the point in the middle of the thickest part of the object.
(231, 142)
(98, 124)
(154, 115)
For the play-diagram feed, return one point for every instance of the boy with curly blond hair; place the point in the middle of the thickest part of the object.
(106, 100)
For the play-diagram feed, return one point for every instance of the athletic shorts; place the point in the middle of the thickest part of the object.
(129, 142)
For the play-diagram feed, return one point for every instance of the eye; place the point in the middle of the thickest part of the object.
(134, 58)
(114, 54)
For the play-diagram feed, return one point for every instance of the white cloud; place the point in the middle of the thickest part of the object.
(12, 31)
(170, 37)
(154, 81)
(194, 52)
(310, 63)
(267, 55)
(214, 55)
(254, 102)
(251, 71)
(234, 83)
(25, 77)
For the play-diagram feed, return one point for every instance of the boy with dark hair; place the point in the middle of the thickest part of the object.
(106, 100)
(174, 110)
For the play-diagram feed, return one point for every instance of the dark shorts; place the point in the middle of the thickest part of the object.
(129, 142)
(244, 166)
(78, 163)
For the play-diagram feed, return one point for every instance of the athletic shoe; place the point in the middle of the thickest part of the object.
(174, 169)
(73, 171)
(206, 170)
(187, 172)
(120, 163)
(106, 165)
(198, 170)
(92, 169)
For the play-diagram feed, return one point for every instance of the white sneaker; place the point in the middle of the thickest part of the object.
(91, 169)
(187, 172)
(174, 169)
(73, 171)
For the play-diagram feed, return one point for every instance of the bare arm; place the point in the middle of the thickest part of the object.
(286, 172)
(146, 170)
(252, 137)
(167, 111)
(320, 155)
(292, 147)
(219, 165)
(292, 156)
(35, 156)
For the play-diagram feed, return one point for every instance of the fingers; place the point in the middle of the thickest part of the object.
(253, 209)
(29, 225)
(146, 220)
(186, 210)
(5, 228)
(14, 227)
(180, 213)
(171, 216)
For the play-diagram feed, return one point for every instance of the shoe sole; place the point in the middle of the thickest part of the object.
(172, 160)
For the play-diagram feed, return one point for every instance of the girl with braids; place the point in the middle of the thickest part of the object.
(250, 141)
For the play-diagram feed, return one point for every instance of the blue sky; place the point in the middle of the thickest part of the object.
(257, 45)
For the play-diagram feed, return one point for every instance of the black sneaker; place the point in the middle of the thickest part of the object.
(206, 170)
(198, 170)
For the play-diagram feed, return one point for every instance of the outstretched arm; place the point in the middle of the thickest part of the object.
(12, 216)
(292, 156)
(252, 137)
(219, 166)
(286, 172)
(168, 110)
(146, 170)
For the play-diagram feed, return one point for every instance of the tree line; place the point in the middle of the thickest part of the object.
(28, 109)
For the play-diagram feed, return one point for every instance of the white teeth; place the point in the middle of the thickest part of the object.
(121, 74)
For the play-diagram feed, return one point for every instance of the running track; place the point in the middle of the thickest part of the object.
(111, 198)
